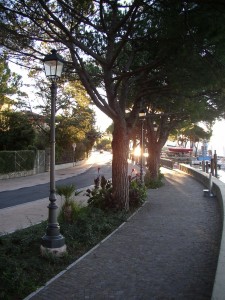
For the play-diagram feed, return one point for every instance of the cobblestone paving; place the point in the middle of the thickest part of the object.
(167, 250)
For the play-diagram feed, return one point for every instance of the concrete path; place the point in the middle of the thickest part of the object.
(167, 250)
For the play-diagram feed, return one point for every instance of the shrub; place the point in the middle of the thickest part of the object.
(90, 225)
(69, 208)
(151, 183)
(66, 191)
(101, 195)
(137, 194)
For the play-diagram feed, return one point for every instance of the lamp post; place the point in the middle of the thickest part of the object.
(155, 127)
(74, 148)
(53, 241)
(142, 115)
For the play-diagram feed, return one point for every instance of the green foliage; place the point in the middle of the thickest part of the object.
(10, 83)
(90, 225)
(42, 140)
(101, 196)
(104, 144)
(167, 54)
(21, 266)
(68, 191)
(69, 208)
(16, 131)
(152, 183)
(75, 119)
(68, 212)
(190, 132)
(137, 194)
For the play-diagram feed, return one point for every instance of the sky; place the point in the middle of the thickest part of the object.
(217, 141)
(102, 121)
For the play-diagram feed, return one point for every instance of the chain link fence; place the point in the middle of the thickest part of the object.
(21, 163)
(30, 162)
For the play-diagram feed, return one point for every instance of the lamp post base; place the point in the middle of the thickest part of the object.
(58, 252)
(53, 244)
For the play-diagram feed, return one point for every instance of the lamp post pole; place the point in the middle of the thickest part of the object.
(53, 241)
(142, 115)
(74, 148)
(142, 152)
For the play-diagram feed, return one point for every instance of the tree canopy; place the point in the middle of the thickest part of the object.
(163, 55)
(10, 84)
(16, 131)
(75, 118)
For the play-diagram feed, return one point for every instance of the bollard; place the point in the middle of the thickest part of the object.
(212, 166)
(215, 164)
(210, 185)
(203, 165)
(208, 192)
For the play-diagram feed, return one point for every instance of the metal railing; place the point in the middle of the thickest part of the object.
(166, 163)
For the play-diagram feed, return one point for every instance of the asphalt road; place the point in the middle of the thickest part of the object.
(36, 192)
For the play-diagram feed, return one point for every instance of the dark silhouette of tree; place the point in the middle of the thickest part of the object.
(128, 55)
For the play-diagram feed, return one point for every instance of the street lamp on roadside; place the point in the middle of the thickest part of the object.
(53, 241)
(74, 148)
(142, 115)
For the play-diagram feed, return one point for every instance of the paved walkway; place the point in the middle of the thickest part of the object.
(167, 250)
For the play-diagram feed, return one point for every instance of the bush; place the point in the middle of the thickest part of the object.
(68, 212)
(69, 208)
(101, 197)
(137, 194)
(90, 225)
(153, 184)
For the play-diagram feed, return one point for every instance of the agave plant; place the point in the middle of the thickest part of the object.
(68, 192)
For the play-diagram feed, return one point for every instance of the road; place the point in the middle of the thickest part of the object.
(35, 192)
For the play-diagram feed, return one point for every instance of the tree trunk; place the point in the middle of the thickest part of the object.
(153, 163)
(120, 148)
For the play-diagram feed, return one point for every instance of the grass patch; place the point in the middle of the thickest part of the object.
(23, 269)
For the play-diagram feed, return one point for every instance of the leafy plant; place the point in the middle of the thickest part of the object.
(101, 197)
(137, 193)
(134, 175)
(90, 225)
(69, 208)
(66, 191)
(153, 184)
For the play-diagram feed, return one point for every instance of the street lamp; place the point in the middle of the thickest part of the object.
(142, 115)
(53, 241)
(155, 127)
(74, 148)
